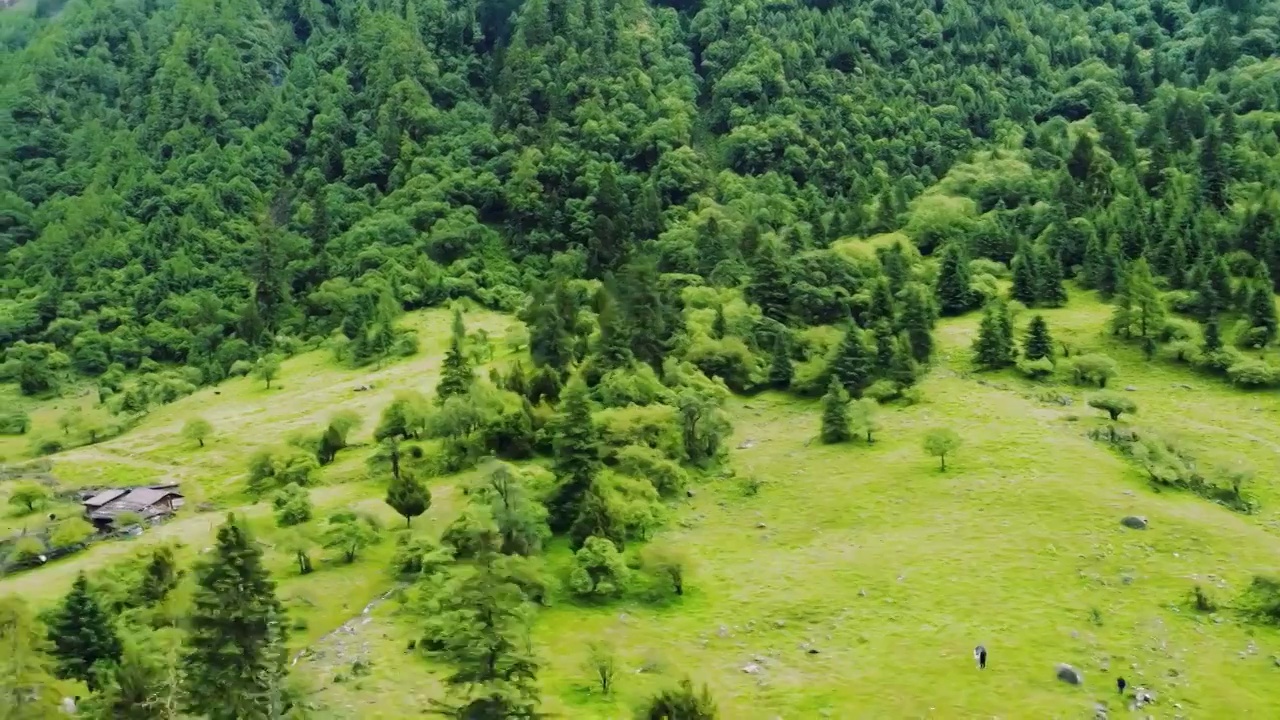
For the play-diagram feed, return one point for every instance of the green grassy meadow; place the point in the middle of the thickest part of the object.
(890, 569)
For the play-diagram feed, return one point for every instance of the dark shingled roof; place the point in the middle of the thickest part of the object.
(104, 497)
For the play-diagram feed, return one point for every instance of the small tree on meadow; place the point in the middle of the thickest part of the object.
(293, 505)
(197, 429)
(666, 564)
(29, 497)
(940, 442)
(267, 368)
(602, 663)
(862, 416)
(835, 413)
(1114, 404)
(407, 496)
(599, 570)
(993, 348)
(1038, 343)
(455, 374)
(349, 533)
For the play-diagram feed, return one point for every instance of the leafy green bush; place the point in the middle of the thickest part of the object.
(1252, 374)
(598, 570)
(653, 426)
(666, 476)
(14, 422)
(1036, 369)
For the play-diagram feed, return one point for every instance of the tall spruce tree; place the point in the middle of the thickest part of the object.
(835, 414)
(479, 627)
(551, 315)
(576, 444)
(1026, 281)
(780, 369)
(234, 664)
(1038, 342)
(993, 348)
(1212, 336)
(1050, 290)
(83, 635)
(917, 321)
(1094, 265)
(614, 347)
(28, 690)
(853, 364)
(1139, 311)
(1261, 311)
(954, 292)
(770, 281)
(455, 374)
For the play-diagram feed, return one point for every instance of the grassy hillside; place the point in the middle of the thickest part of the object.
(890, 569)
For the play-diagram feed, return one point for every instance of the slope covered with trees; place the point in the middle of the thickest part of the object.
(192, 182)
(677, 199)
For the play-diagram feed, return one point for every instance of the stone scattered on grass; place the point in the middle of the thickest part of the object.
(1068, 674)
(1134, 522)
(751, 669)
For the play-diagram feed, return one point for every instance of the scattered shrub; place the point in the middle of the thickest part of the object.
(1093, 369)
(598, 571)
(1036, 369)
(1114, 404)
(1252, 374)
(666, 476)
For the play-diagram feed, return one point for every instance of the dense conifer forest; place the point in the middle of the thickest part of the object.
(680, 200)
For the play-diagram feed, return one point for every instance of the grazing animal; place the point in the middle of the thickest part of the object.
(1120, 684)
(980, 653)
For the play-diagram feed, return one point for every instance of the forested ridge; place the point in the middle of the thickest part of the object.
(188, 182)
(677, 200)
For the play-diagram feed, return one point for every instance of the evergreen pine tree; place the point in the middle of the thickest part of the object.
(614, 350)
(903, 369)
(654, 311)
(576, 445)
(1049, 274)
(1147, 312)
(1214, 176)
(993, 348)
(83, 635)
(1112, 275)
(1220, 279)
(780, 368)
(455, 374)
(27, 688)
(235, 660)
(1261, 310)
(853, 363)
(835, 414)
(882, 305)
(1038, 343)
(1212, 336)
(407, 496)
(955, 296)
(917, 321)
(770, 282)
(159, 578)
(1094, 264)
(886, 347)
(719, 326)
(480, 628)
(1026, 282)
